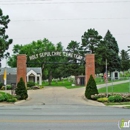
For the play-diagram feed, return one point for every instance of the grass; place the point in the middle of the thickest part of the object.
(117, 103)
(100, 80)
(128, 107)
(68, 85)
(120, 88)
(63, 83)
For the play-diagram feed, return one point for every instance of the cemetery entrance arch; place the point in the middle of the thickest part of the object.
(22, 63)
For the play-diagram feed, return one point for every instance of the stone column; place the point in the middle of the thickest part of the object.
(35, 78)
(40, 80)
(89, 67)
(21, 67)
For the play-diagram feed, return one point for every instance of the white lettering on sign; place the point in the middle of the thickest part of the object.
(44, 54)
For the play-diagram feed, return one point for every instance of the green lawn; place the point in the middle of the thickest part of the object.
(67, 84)
(120, 88)
(100, 80)
(63, 83)
(128, 107)
(117, 103)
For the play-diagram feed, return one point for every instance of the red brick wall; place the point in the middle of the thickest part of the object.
(21, 67)
(89, 67)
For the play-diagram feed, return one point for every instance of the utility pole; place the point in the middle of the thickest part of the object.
(106, 79)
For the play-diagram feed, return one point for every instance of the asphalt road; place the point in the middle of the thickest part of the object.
(61, 117)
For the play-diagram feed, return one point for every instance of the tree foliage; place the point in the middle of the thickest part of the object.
(107, 49)
(125, 61)
(90, 40)
(113, 52)
(78, 67)
(4, 39)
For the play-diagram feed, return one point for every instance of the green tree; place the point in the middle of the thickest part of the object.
(4, 39)
(101, 54)
(90, 40)
(78, 67)
(107, 49)
(125, 61)
(91, 88)
(40, 46)
(112, 51)
(21, 90)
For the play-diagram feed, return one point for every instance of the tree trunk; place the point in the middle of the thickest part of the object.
(50, 78)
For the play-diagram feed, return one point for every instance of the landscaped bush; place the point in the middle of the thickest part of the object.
(91, 88)
(2, 98)
(116, 98)
(125, 99)
(1, 84)
(96, 96)
(104, 99)
(7, 97)
(12, 100)
(17, 97)
(8, 87)
(30, 84)
(21, 90)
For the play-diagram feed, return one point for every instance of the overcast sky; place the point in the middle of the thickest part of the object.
(66, 20)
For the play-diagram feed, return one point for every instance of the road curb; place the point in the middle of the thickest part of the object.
(21, 101)
(91, 102)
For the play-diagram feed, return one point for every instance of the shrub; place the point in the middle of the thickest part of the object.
(91, 88)
(21, 90)
(7, 97)
(96, 96)
(8, 87)
(115, 98)
(125, 99)
(111, 99)
(102, 99)
(17, 97)
(1, 84)
(30, 84)
(2, 98)
(118, 98)
(12, 100)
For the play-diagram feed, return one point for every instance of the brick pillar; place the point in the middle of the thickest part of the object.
(21, 67)
(89, 67)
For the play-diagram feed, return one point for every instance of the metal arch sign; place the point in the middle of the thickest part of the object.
(55, 53)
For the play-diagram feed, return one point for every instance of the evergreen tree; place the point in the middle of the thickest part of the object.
(21, 90)
(125, 62)
(112, 51)
(90, 40)
(4, 41)
(91, 88)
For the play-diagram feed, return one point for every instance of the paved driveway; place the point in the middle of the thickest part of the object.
(55, 95)
(61, 96)
(58, 96)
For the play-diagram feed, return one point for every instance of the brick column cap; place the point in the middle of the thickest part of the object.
(21, 55)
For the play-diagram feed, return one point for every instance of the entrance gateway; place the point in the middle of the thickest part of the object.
(89, 60)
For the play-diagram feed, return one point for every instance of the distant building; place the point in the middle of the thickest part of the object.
(115, 75)
(33, 74)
